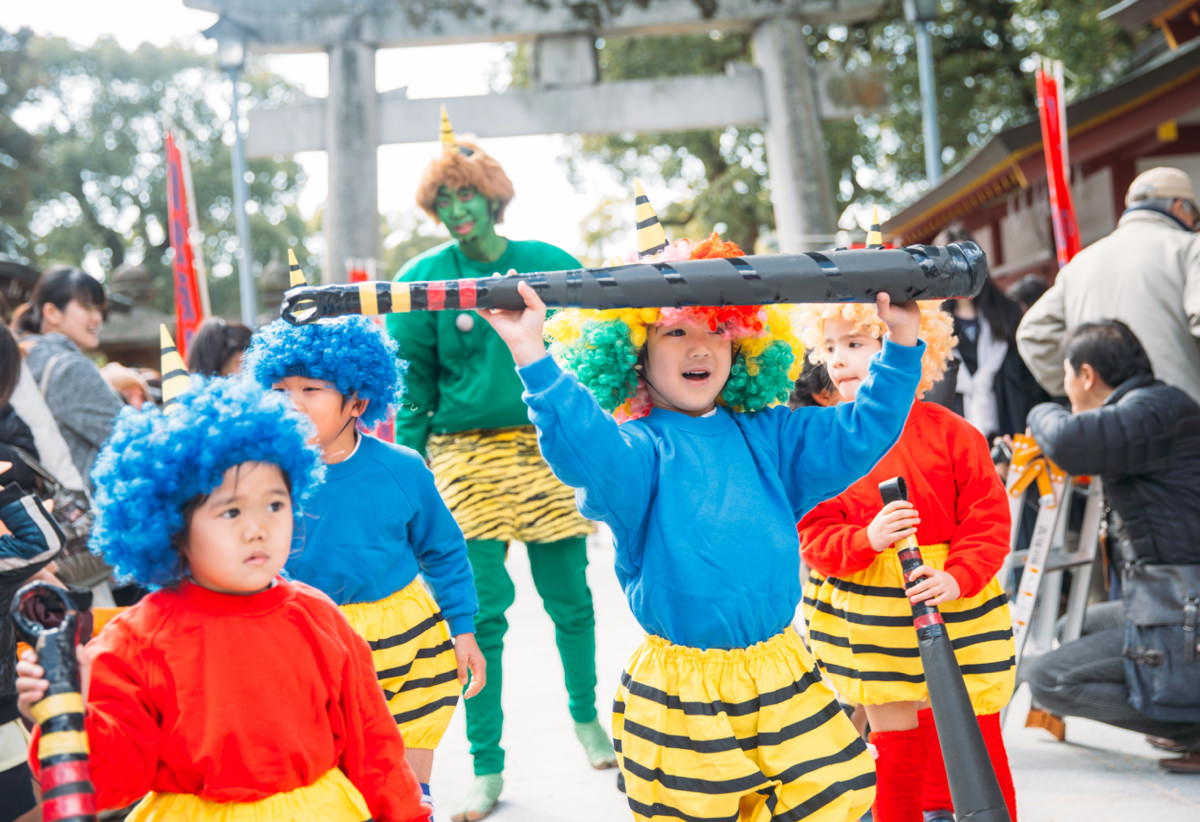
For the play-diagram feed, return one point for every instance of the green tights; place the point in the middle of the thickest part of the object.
(560, 576)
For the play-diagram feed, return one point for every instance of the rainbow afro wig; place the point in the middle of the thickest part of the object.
(353, 353)
(603, 347)
(936, 329)
(154, 463)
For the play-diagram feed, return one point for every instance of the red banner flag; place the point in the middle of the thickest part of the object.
(1052, 113)
(189, 311)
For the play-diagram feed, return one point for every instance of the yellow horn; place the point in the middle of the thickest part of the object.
(875, 235)
(651, 238)
(294, 272)
(174, 372)
(448, 141)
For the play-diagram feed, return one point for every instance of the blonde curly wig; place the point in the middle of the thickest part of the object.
(936, 329)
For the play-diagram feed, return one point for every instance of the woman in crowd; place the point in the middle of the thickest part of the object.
(57, 326)
(993, 388)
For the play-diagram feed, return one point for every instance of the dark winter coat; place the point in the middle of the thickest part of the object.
(14, 432)
(1144, 442)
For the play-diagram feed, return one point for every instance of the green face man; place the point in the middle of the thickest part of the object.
(470, 219)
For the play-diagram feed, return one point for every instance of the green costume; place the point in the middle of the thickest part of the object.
(461, 380)
(463, 407)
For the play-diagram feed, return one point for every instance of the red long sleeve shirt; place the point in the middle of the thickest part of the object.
(235, 698)
(952, 483)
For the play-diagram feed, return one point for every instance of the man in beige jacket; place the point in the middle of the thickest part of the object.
(1146, 273)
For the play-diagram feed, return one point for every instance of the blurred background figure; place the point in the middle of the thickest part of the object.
(127, 382)
(993, 389)
(17, 798)
(216, 349)
(14, 432)
(153, 381)
(60, 323)
(1026, 291)
(1146, 273)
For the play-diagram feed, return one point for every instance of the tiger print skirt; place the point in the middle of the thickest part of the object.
(498, 487)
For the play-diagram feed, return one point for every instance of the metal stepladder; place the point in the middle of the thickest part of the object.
(1054, 547)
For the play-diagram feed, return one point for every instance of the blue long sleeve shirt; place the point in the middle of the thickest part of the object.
(377, 521)
(704, 509)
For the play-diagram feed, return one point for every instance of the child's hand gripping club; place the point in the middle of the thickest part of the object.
(50, 694)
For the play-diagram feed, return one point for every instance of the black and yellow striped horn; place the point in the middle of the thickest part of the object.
(651, 238)
(296, 277)
(174, 372)
(449, 143)
(875, 235)
(921, 272)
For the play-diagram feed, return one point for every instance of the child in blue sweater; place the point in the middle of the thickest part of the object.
(721, 713)
(377, 523)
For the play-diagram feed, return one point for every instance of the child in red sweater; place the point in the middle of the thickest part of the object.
(230, 693)
(859, 620)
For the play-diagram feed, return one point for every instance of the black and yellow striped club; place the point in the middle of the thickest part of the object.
(48, 620)
(921, 272)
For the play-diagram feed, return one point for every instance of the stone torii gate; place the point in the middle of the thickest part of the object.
(784, 90)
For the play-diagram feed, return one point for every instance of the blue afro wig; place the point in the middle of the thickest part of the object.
(352, 353)
(154, 463)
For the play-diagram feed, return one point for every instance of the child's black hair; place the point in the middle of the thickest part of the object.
(214, 343)
(813, 382)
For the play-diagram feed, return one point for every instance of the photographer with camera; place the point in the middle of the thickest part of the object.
(1136, 665)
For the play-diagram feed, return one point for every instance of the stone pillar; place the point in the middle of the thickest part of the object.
(351, 225)
(800, 187)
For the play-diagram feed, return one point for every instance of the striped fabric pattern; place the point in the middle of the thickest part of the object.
(414, 660)
(861, 631)
(498, 487)
(747, 734)
(332, 798)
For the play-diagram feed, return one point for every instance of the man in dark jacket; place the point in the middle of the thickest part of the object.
(1142, 437)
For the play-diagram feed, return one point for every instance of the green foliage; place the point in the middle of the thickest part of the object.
(19, 160)
(96, 191)
(983, 57)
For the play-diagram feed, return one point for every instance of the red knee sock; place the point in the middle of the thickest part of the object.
(990, 725)
(899, 773)
(936, 789)
(935, 793)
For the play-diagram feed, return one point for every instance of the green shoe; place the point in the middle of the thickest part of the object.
(596, 744)
(481, 798)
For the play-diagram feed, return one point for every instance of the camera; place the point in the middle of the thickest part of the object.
(1001, 452)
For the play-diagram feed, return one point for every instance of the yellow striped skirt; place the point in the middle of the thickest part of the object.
(861, 631)
(747, 734)
(414, 660)
(333, 797)
(498, 487)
